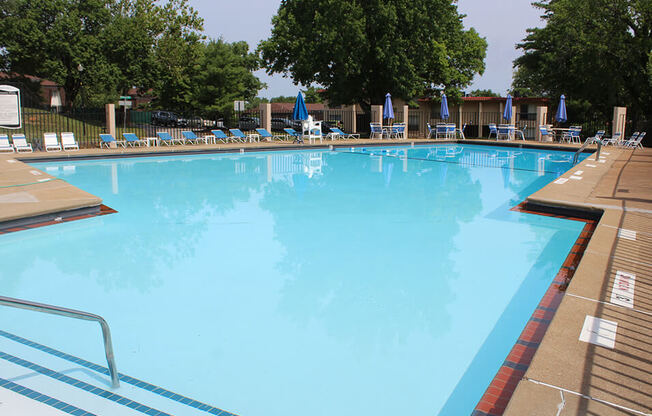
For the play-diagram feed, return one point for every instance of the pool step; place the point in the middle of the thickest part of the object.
(68, 385)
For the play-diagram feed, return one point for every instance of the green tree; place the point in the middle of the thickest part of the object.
(225, 75)
(483, 93)
(283, 99)
(360, 50)
(313, 95)
(104, 46)
(596, 52)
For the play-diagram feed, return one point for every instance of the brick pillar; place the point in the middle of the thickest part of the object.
(265, 116)
(377, 114)
(542, 117)
(460, 118)
(110, 119)
(406, 114)
(480, 124)
(349, 119)
(618, 124)
(513, 119)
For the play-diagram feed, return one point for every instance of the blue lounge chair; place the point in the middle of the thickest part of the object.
(107, 139)
(132, 140)
(345, 135)
(4, 144)
(20, 143)
(166, 138)
(238, 134)
(635, 142)
(264, 134)
(220, 135)
(431, 131)
(298, 137)
(191, 137)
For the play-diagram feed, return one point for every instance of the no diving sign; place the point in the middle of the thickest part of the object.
(9, 107)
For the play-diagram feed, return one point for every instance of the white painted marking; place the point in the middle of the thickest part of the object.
(606, 153)
(579, 172)
(11, 160)
(561, 181)
(623, 291)
(44, 180)
(598, 331)
(601, 161)
(577, 178)
(35, 172)
(627, 234)
(591, 166)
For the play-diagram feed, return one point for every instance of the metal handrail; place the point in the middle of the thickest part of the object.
(584, 145)
(72, 313)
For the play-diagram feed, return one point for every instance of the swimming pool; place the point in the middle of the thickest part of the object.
(359, 281)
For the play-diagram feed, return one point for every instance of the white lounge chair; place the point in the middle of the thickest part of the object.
(4, 144)
(68, 141)
(20, 143)
(614, 140)
(51, 142)
(635, 142)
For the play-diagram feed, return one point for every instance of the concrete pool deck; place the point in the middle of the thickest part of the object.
(618, 185)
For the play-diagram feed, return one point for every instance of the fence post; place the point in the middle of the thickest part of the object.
(110, 118)
(513, 119)
(460, 121)
(618, 125)
(542, 117)
(406, 115)
(266, 116)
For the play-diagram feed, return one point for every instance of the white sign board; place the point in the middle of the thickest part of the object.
(239, 105)
(9, 107)
(124, 103)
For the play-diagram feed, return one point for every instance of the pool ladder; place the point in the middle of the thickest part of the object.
(584, 145)
(72, 313)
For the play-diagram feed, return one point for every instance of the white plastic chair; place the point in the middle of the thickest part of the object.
(20, 143)
(4, 144)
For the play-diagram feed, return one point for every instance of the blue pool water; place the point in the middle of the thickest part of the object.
(355, 282)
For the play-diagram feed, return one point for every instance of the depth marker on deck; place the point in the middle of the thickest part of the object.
(622, 292)
(601, 332)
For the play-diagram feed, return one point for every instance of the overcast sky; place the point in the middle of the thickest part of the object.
(501, 22)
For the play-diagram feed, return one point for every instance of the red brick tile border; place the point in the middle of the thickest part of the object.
(104, 210)
(500, 390)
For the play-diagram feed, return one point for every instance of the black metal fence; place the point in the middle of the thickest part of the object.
(85, 123)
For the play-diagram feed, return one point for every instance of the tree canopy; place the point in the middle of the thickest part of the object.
(360, 50)
(103, 48)
(596, 52)
(483, 93)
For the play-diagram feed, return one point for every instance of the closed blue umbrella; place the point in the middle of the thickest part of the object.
(444, 107)
(388, 110)
(300, 111)
(507, 115)
(561, 116)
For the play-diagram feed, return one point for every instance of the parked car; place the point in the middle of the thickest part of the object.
(165, 118)
(278, 124)
(248, 123)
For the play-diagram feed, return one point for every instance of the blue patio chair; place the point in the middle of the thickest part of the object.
(431, 131)
(445, 131)
(574, 134)
(493, 130)
(376, 130)
(20, 143)
(220, 135)
(107, 139)
(5, 146)
(546, 133)
(238, 134)
(503, 132)
(461, 131)
(298, 137)
(397, 131)
(190, 136)
(166, 138)
(345, 135)
(132, 140)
